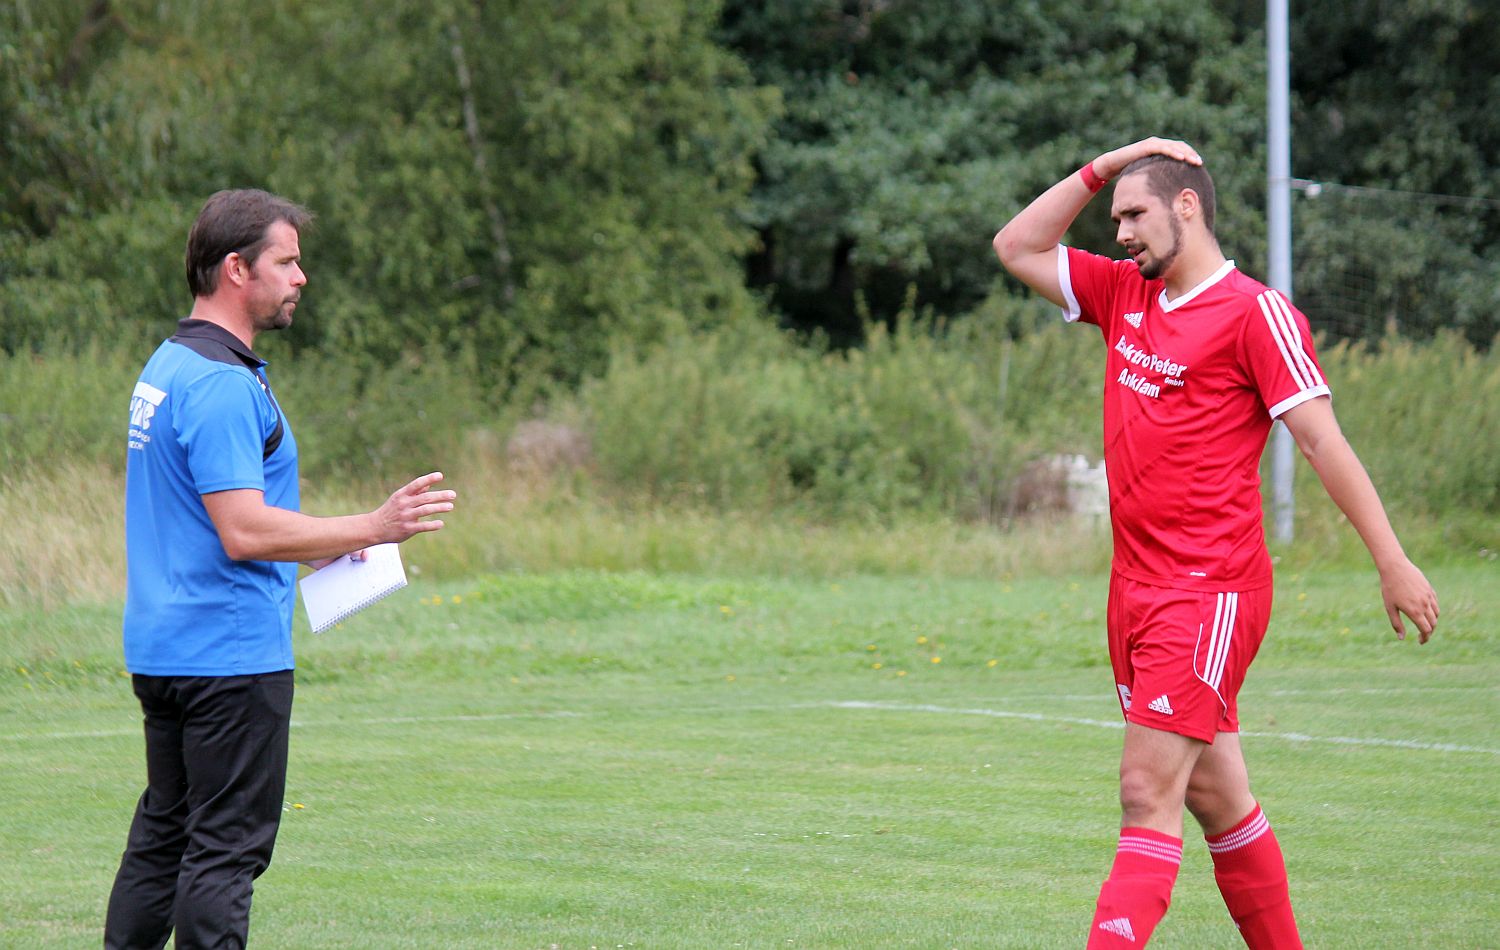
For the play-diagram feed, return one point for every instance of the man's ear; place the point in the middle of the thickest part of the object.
(1188, 205)
(234, 268)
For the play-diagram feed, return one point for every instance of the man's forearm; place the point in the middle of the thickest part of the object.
(267, 533)
(1348, 484)
(1040, 226)
(251, 530)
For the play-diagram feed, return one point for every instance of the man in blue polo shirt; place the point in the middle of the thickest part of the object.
(213, 537)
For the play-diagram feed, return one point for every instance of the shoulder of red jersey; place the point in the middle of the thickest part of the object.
(1082, 275)
(1276, 340)
(1262, 303)
(1259, 301)
(1240, 283)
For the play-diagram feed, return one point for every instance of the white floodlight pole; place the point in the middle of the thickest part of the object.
(1279, 232)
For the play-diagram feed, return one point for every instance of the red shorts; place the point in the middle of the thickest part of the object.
(1179, 656)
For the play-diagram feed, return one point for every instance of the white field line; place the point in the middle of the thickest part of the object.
(1412, 744)
(300, 724)
(1118, 724)
(1252, 693)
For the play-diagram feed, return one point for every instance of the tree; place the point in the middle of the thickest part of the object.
(913, 130)
(1395, 99)
(516, 180)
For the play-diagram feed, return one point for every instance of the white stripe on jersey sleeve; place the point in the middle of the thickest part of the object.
(1283, 311)
(1072, 311)
(1297, 399)
(1272, 320)
(1288, 339)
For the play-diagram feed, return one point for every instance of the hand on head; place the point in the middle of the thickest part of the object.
(1110, 164)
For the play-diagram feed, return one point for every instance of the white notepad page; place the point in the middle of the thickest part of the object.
(343, 588)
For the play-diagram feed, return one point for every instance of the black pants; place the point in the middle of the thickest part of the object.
(216, 755)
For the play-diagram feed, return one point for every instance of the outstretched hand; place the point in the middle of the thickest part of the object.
(1406, 591)
(1110, 164)
(401, 515)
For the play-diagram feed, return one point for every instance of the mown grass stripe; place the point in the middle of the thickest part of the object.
(854, 704)
(1413, 744)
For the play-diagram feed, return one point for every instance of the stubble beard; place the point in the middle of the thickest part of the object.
(1158, 265)
(279, 319)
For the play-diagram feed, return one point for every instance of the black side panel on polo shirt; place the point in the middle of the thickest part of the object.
(219, 353)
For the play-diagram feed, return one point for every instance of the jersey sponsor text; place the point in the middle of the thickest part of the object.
(1151, 362)
(1139, 384)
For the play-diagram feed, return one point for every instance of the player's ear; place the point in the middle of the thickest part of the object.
(1188, 205)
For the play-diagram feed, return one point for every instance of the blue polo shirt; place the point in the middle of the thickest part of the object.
(203, 420)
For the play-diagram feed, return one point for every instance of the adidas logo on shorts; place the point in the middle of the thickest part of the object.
(1161, 704)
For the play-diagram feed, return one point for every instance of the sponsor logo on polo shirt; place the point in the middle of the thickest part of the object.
(143, 404)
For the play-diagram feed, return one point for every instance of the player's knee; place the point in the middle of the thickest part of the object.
(1218, 807)
(1143, 792)
(1205, 803)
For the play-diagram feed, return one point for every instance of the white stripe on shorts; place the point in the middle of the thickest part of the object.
(1226, 607)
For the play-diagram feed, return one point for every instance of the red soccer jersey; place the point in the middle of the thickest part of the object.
(1191, 387)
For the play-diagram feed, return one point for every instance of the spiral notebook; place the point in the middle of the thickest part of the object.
(338, 591)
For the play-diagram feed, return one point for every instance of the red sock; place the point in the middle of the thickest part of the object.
(1252, 877)
(1135, 898)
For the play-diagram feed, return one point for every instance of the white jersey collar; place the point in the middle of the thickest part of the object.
(1168, 306)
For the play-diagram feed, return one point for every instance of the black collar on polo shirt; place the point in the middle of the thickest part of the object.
(213, 342)
(210, 340)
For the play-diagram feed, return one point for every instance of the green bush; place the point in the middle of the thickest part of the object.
(64, 407)
(1423, 417)
(920, 419)
(933, 419)
(380, 424)
(374, 424)
(925, 419)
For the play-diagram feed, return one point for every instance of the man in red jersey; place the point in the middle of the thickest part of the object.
(1201, 359)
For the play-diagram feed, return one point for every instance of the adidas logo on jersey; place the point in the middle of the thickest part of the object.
(1161, 704)
(1134, 319)
(1120, 927)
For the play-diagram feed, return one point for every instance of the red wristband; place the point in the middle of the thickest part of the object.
(1091, 179)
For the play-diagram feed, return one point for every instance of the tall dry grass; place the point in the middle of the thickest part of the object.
(64, 534)
(72, 552)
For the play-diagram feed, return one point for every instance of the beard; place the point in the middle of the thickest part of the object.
(1156, 265)
(278, 319)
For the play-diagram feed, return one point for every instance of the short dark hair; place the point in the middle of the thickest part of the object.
(233, 221)
(1166, 177)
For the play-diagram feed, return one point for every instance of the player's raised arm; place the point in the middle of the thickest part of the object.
(1027, 245)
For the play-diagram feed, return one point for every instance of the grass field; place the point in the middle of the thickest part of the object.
(604, 760)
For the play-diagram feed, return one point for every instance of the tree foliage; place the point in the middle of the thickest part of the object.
(522, 182)
(521, 179)
(1398, 98)
(912, 131)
